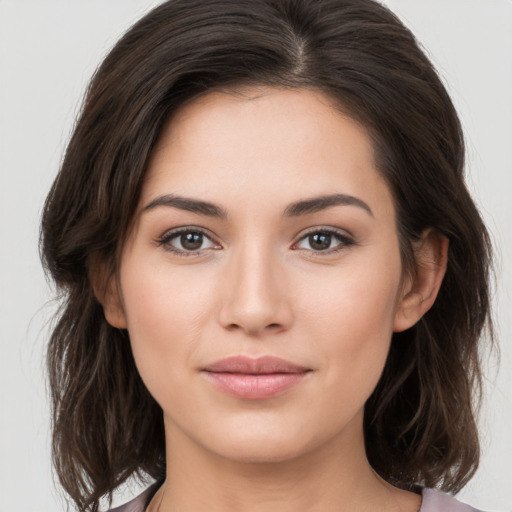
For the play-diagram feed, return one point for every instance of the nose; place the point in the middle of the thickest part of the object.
(254, 295)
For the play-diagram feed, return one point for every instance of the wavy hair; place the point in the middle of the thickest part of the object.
(420, 421)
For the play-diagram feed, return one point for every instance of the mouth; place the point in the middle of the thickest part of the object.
(254, 379)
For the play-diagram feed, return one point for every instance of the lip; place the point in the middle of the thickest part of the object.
(254, 379)
(259, 365)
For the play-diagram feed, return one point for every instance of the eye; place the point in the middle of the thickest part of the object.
(324, 240)
(187, 241)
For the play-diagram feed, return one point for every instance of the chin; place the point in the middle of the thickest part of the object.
(258, 452)
(262, 444)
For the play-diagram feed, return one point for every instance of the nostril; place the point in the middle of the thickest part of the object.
(253, 329)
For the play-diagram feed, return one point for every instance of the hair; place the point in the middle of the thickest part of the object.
(420, 421)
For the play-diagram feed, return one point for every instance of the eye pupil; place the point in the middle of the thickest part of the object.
(191, 241)
(320, 241)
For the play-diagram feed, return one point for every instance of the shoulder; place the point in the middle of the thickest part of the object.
(435, 501)
(139, 503)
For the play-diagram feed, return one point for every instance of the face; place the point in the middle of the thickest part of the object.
(264, 231)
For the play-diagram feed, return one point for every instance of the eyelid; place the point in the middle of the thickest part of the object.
(169, 235)
(346, 240)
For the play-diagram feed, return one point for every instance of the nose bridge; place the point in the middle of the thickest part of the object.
(254, 296)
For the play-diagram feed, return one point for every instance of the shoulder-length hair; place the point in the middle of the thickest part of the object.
(420, 421)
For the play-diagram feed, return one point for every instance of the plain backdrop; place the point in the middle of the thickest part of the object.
(48, 51)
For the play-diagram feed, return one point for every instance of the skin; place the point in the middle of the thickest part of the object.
(257, 286)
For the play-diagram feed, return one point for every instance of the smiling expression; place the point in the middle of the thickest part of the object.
(264, 229)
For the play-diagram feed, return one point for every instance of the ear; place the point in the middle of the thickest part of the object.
(420, 289)
(107, 291)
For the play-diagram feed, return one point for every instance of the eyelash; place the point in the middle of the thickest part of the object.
(344, 240)
(165, 240)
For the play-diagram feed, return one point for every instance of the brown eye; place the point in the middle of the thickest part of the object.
(191, 241)
(326, 241)
(320, 241)
(186, 242)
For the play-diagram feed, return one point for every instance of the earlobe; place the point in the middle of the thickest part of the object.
(106, 290)
(113, 305)
(421, 288)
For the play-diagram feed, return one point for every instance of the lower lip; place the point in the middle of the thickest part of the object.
(254, 386)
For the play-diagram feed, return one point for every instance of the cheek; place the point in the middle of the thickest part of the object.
(353, 318)
(354, 300)
(165, 316)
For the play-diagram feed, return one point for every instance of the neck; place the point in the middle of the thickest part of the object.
(336, 476)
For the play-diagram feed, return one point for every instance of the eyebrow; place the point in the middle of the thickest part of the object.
(317, 204)
(187, 204)
(303, 207)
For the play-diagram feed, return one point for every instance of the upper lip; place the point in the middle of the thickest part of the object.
(260, 365)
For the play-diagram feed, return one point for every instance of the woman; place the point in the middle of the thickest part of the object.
(275, 279)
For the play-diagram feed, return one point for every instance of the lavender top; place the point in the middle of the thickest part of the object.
(433, 501)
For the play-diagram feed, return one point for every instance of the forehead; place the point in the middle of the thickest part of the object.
(259, 141)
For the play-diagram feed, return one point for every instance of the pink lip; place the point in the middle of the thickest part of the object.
(254, 379)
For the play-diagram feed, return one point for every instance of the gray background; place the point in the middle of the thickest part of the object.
(49, 49)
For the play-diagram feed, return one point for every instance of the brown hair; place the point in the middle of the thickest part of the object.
(419, 422)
